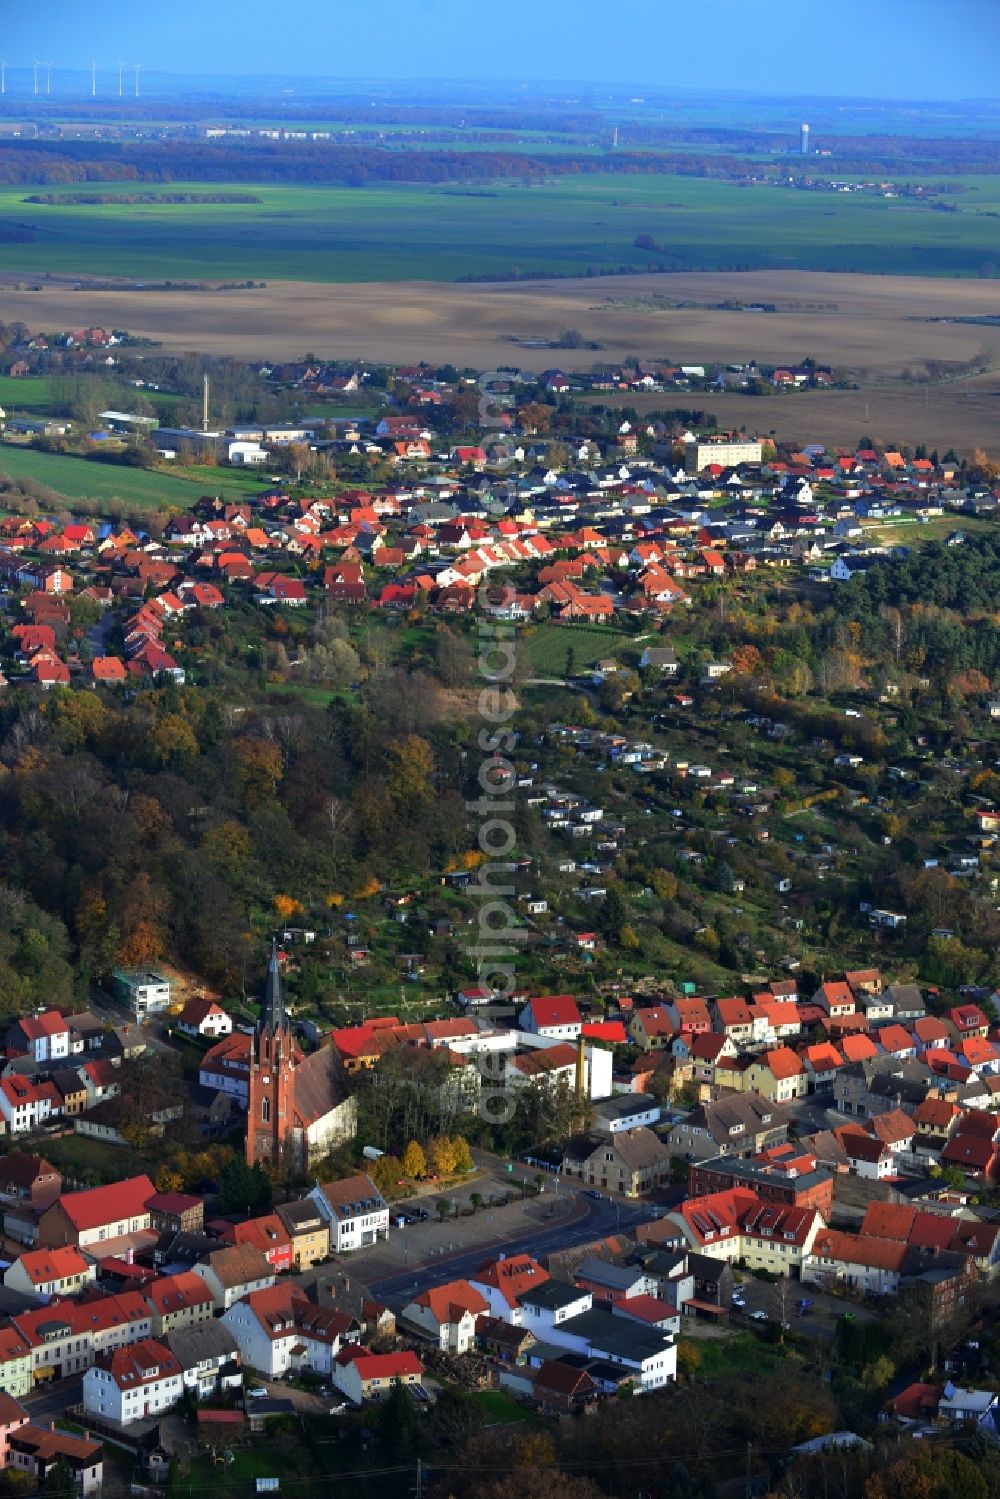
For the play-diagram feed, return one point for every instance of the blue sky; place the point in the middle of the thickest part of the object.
(895, 49)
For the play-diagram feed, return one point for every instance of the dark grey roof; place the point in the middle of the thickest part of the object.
(551, 1295)
(205, 1341)
(617, 1277)
(272, 1010)
(609, 1334)
(622, 1105)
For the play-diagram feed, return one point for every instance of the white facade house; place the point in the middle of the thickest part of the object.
(144, 991)
(234, 1272)
(354, 1210)
(555, 1016)
(133, 1384)
(51, 1272)
(203, 1017)
(447, 1315)
(279, 1331)
(45, 1037)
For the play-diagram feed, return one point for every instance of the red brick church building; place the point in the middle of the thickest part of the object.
(297, 1104)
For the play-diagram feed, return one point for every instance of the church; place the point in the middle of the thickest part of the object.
(298, 1107)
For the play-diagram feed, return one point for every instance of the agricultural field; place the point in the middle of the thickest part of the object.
(86, 479)
(24, 397)
(566, 225)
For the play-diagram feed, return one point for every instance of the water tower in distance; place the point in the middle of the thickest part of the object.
(804, 140)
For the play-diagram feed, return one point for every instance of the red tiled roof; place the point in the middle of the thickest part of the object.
(555, 1009)
(95, 1206)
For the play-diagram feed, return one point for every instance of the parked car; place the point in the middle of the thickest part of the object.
(804, 1306)
(758, 1316)
(257, 1393)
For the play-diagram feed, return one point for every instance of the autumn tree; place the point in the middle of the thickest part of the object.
(171, 743)
(259, 768)
(441, 1155)
(410, 770)
(463, 1155)
(414, 1161)
(746, 660)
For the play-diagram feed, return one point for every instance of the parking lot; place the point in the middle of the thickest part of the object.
(762, 1306)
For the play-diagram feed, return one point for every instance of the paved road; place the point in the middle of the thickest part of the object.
(50, 1401)
(588, 1221)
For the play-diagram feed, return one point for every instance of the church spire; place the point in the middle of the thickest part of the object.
(273, 1016)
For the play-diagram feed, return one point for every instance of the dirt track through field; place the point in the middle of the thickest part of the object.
(869, 323)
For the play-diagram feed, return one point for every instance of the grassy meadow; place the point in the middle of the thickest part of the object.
(390, 232)
(88, 479)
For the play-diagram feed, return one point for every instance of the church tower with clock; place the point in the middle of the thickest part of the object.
(271, 1092)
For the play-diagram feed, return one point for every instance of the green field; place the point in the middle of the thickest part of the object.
(548, 644)
(86, 479)
(24, 397)
(567, 224)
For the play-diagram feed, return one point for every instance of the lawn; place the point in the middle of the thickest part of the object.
(496, 1406)
(548, 645)
(85, 1159)
(565, 225)
(86, 479)
(745, 1352)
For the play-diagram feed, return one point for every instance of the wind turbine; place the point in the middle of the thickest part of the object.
(48, 77)
(121, 78)
(36, 75)
(93, 79)
(137, 66)
(3, 76)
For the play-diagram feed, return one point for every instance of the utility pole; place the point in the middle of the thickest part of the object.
(419, 1490)
(748, 1485)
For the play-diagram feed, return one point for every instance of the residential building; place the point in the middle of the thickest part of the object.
(447, 1315)
(362, 1375)
(279, 1330)
(308, 1232)
(35, 1450)
(144, 991)
(133, 1383)
(354, 1211)
(203, 1017)
(556, 1016)
(735, 1124)
(178, 1301)
(234, 1272)
(51, 1272)
(633, 1162)
(739, 1225)
(625, 1111)
(209, 1358)
(97, 1214)
(43, 1037)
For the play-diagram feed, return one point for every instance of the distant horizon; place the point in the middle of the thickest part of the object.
(642, 90)
(73, 85)
(888, 52)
